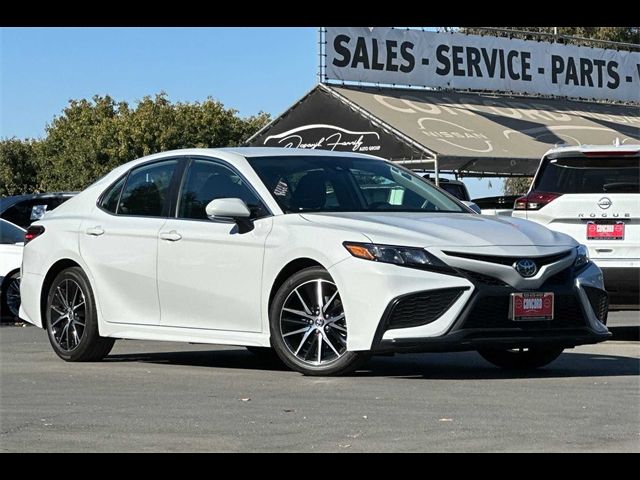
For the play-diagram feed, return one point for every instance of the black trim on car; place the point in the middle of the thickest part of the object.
(508, 260)
(383, 325)
(466, 333)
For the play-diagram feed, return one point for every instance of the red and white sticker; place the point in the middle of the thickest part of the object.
(532, 306)
(605, 231)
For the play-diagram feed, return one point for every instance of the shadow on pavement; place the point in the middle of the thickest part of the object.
(435, 366)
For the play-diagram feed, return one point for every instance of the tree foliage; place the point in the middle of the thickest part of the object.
(91, 137)
(18, 166)
(613, 34)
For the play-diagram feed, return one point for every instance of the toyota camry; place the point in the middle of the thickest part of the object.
(322, 258)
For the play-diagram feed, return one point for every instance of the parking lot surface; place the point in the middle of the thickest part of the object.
(154, 396)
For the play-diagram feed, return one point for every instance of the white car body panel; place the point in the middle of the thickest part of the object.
(10, 259)
(150, 288)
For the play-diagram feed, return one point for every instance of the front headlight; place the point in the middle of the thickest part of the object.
(413, 257)
(582, 257)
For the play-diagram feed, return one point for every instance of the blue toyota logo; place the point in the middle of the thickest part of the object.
(525, 267)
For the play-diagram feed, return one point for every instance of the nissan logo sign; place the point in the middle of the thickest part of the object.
(604, 203)
(526, 268)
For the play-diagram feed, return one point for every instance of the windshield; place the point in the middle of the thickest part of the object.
(348, 184)
(590, 175)
(10, 233)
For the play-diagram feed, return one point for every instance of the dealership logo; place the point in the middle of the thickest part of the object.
(525, 267)
(326, 137)
(604, 203)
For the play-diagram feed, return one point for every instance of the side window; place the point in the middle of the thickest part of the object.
(10, 233)
(206, 181)
(110, 198)
(146, 189)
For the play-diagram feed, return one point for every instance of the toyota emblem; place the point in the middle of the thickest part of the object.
(526, 268)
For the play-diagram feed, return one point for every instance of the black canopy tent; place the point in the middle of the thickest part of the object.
(470, 134)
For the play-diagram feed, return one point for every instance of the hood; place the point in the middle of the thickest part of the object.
(443, 229)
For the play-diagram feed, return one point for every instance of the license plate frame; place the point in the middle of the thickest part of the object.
(605, 231)
(519, 311)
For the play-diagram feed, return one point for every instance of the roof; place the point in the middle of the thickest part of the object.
(581, 149)
(467, 132)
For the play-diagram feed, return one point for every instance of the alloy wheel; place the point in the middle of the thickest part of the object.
(312, 323)
(13, 296)
(68, 314)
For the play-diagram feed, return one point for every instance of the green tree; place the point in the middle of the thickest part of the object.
(518, 185)
(18, 166)
(91, 137)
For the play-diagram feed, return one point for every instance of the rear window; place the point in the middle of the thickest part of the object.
(27, 211)
(589, 175)
(456, 190)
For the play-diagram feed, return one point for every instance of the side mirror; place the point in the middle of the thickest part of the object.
(230, 209)
(472, 206)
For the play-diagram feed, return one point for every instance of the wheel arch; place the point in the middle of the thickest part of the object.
(53, 271)
(289, 269)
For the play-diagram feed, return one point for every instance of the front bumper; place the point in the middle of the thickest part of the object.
(580, 318)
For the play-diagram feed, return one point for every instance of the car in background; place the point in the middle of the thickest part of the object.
(11, 246)
(456, 188)
(500, 205)
(22, 210)
(593, 194)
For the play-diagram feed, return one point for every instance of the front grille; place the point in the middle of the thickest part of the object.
(483, 279)
(423, 307)
(561, 278)
(539, 261)
(599, 300)
(493, 312)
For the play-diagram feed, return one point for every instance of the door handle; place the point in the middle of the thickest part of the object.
(171, 236)
(94, 231)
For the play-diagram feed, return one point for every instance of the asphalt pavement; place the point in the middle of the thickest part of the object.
(157, 396)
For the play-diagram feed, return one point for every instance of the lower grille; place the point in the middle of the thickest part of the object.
(599, 300)
(422, 308)
(493, 312)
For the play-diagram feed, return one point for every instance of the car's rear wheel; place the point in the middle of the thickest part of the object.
(308, 325)
(10, 301)
(521, 358)
(71, 319)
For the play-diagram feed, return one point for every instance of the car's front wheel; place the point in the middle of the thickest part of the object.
(521, 358)
(72, 321)
(308, 325)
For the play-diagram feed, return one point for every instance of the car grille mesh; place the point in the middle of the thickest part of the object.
(493, 312)
(423, 307)
(599, 301)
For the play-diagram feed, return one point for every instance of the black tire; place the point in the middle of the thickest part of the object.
(348, 362)
(7, 289)
(521, 359)
(91, 347)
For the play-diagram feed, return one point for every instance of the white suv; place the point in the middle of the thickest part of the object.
(593, 194)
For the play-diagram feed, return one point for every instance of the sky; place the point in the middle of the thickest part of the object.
(249, 69)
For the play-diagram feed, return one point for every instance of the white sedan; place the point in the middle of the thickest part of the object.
(324, 257)
(11, 246)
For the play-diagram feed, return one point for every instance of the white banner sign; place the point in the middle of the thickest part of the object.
(458, 61)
